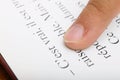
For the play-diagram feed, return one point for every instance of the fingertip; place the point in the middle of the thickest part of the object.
(89, 26)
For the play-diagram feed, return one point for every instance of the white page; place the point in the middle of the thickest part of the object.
(31, 41)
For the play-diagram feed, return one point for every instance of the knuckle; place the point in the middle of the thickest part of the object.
(100, 6)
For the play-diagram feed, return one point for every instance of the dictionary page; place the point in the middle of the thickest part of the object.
(31, 42)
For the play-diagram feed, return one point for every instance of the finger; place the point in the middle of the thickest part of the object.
(91, 23)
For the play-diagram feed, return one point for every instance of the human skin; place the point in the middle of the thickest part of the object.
(91, 23)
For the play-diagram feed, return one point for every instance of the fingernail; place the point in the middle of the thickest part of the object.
(74, 34)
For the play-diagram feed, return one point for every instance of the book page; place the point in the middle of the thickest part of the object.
(31, 41)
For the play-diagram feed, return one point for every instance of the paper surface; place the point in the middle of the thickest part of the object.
(31, 41)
